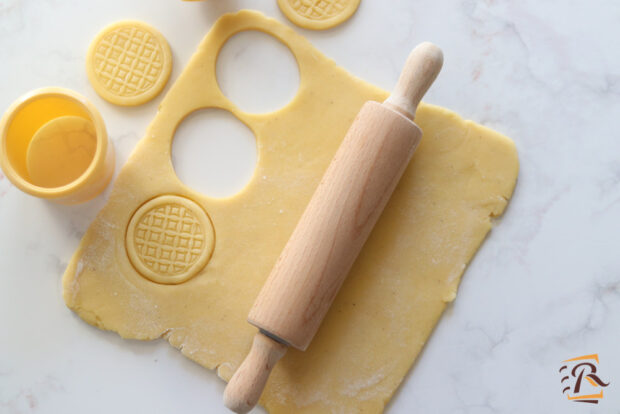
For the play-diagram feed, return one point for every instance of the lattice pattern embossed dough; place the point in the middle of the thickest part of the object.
(169, 239)
(318, 10)
(318, 14)
(129, 63)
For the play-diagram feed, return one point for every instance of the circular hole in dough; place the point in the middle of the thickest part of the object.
(214, 153)
(257, 72)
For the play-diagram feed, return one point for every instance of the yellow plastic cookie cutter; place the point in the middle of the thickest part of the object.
(47, 117)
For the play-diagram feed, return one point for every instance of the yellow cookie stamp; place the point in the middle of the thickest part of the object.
(60, 151)
(169, 239)
(129, 63)
(318, 14)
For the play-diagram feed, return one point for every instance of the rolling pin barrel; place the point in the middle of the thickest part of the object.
(334, 227)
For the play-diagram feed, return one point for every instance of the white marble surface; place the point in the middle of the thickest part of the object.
(544, 287)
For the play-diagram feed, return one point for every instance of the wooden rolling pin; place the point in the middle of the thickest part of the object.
(337, 222)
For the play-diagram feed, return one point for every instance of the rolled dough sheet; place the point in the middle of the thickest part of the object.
(462, 176)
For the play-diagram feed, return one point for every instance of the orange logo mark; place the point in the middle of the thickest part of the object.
(575, 372)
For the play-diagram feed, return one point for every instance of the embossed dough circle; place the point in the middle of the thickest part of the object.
(169, 239)
(129, 63)
(318, 14)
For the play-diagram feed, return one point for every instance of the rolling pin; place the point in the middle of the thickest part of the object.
(334, 227)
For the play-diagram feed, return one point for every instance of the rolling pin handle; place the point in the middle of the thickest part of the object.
(420, 70)
(246, 385)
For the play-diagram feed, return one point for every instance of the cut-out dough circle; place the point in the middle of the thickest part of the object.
(318, 14)
(129, 63)
(169, 239)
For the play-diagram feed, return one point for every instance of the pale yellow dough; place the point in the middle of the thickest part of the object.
(318, 14)
(462, 176)
(128, 63)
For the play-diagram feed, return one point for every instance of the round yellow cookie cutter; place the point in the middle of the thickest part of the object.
(129, 63)
(318, 14)
(42, 110)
